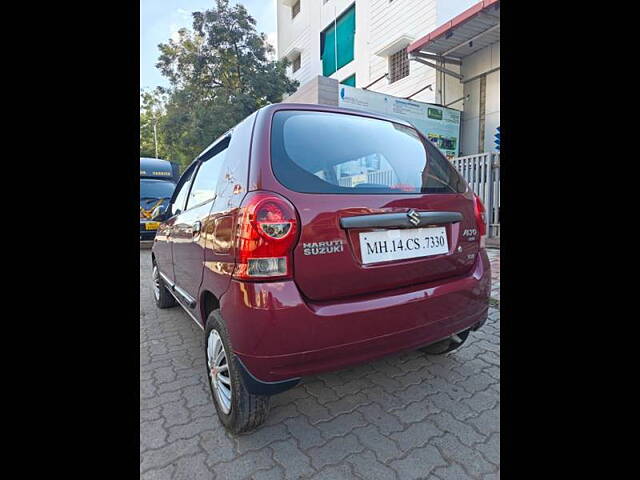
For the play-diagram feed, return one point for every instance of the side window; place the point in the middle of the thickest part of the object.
(398, 65)
(182, 189)
(204, 184)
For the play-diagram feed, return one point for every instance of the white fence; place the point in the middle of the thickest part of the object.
(482, 172)
(381, 177)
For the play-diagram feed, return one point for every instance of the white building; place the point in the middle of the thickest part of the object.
(470, 40)
(366, 43)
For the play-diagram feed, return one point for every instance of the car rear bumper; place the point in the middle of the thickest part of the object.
(279, 336)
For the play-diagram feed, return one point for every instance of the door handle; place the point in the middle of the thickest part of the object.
(196, 227)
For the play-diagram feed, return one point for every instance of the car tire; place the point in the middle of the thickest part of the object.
(161, 295)
(243, 411)
(445, 346)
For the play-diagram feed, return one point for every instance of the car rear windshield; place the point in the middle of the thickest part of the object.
(321, 152)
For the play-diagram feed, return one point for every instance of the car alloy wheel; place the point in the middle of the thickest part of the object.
(219, 371)
(156, 282)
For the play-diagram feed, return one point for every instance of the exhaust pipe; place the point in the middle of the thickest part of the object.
(456, 338)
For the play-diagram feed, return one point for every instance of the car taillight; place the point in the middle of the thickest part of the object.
(481, 219)
(265, 237)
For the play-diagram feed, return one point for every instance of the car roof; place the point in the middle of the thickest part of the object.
(155, 163)
(274, 107)
(332, 109)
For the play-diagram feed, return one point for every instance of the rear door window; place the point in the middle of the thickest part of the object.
(206, 179)
(322, 152)
(180, 195)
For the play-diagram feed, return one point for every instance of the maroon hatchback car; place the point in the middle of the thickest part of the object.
(310, 238)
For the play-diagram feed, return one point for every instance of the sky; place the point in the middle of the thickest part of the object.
(160, 19)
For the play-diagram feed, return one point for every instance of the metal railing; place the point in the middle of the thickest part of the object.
(380, 177)
(482, 173)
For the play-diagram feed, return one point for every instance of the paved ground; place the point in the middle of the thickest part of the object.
(404, 417)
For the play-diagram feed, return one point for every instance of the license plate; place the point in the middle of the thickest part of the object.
(151, 225)
(402, 244)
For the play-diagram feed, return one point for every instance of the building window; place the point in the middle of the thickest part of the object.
(295, 10)
(297, 61)
(337, 42)
(351, 81)
(398, 65)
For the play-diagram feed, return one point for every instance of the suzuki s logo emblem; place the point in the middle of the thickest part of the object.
(414, 217)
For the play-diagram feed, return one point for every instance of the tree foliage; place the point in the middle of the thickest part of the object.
(152, 113)
(219, 72)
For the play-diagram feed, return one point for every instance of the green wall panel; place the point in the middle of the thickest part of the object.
(336, 54)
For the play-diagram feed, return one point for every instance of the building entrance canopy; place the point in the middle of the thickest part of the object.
(472, 30)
